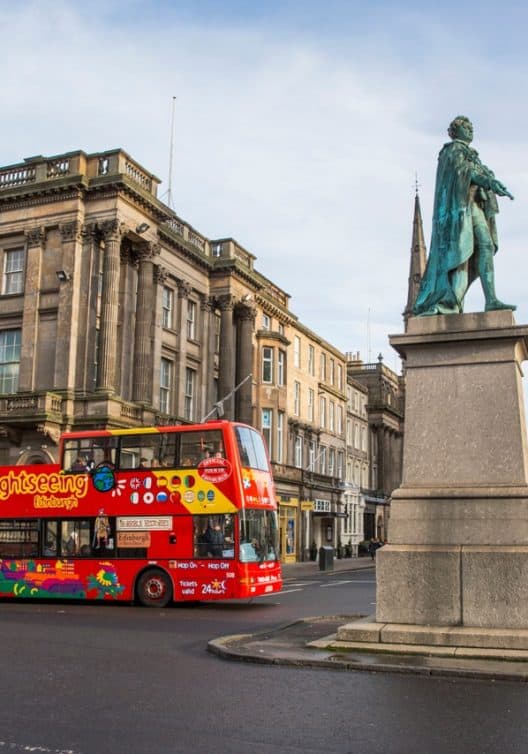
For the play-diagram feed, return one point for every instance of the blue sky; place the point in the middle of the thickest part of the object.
(299, 128)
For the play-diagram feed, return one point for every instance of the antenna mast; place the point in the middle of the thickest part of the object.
(171, 150)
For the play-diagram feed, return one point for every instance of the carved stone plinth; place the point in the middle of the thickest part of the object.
(458, 552)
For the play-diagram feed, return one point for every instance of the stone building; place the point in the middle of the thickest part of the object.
(385, 410)
(115, 312)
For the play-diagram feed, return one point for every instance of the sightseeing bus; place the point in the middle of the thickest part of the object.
(157, 514)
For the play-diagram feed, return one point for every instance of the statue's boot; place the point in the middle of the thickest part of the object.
(495, 305)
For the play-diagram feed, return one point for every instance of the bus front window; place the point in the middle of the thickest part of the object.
(251, 449)
(258, 536)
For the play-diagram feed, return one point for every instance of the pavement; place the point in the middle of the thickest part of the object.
(312, 642)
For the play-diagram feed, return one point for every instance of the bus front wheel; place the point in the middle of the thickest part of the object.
(154, 589)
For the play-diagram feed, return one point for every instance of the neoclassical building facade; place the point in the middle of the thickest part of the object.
(115, 312)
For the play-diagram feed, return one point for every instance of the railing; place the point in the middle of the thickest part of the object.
(129, 411)
(17, 176)
(138, 176)
(197, 240)
(58, 167)
(32, 403)
(175, 225)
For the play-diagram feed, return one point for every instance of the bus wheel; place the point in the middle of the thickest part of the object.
(154, 589)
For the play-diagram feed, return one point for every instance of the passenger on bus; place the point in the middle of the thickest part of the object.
(72, 543)
(78, 465)
(214, 537)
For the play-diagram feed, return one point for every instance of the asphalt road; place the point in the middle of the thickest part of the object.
(92, 679)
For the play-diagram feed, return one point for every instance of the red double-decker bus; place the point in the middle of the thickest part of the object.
(152, 514)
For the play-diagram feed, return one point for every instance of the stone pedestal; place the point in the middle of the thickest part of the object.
(458, 552)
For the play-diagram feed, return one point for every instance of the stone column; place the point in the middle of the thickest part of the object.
(207, 365)
(160, 278)
(89, 275)
(184, 290)
(246, 315)
(142, 390)
(226, 372)
(112, 232)
(35, 240)
(68, 315)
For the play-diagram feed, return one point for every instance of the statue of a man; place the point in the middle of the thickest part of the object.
(464, 237)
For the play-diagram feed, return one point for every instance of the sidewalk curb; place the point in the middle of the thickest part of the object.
(236, 648)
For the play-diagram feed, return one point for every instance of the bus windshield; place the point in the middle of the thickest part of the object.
(258, 536)
(251, 449)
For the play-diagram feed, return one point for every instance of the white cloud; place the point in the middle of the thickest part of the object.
(302, 146)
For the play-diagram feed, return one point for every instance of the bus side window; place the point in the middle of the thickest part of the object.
(50, 539)
(75, 536)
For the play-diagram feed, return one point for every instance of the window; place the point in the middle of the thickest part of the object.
(332, 371)
(280, 328)
(339, 469)
(339, 377)
(190, 389)
(191, 320)
(217, 326)
(311, 456)
(267, 365)
(322, 412)
(311, 402)
(251, 449)
(213, 536)
(267, 427)
(19, 539)
(165, 386)
(13, 271)
(322, 459)
(280, 437)
(311, 360)
(9, 361)
(167, 307)
(296, 398)
(296, 351)
(331, 416)
(281, 367)
(323, 367)
(339, 426)
(298, 451)
(331, 462)
(266, 322)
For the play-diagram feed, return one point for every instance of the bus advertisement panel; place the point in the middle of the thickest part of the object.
(153, 514)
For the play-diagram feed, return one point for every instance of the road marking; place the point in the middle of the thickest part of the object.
(33, 748)
(300, 583)
(282, 591)
(337, 583)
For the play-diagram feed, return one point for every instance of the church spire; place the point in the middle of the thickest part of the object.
(418, 258)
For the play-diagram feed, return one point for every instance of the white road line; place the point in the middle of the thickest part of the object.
(337, 583)
(300, 583)
(278, 594)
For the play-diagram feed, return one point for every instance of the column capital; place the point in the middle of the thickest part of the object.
(207, 303)
(226, 302)
(184, 289)
(246, 312)
(35, 237)
(160, 274)
(72, 231)
(112, 230)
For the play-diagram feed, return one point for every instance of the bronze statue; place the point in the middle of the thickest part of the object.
(464, 237)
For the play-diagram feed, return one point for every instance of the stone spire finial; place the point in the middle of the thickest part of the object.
(418, 258)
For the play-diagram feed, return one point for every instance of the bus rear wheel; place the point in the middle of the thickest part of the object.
(154, 588)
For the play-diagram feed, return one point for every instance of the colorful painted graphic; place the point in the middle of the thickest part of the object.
(25, 578)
